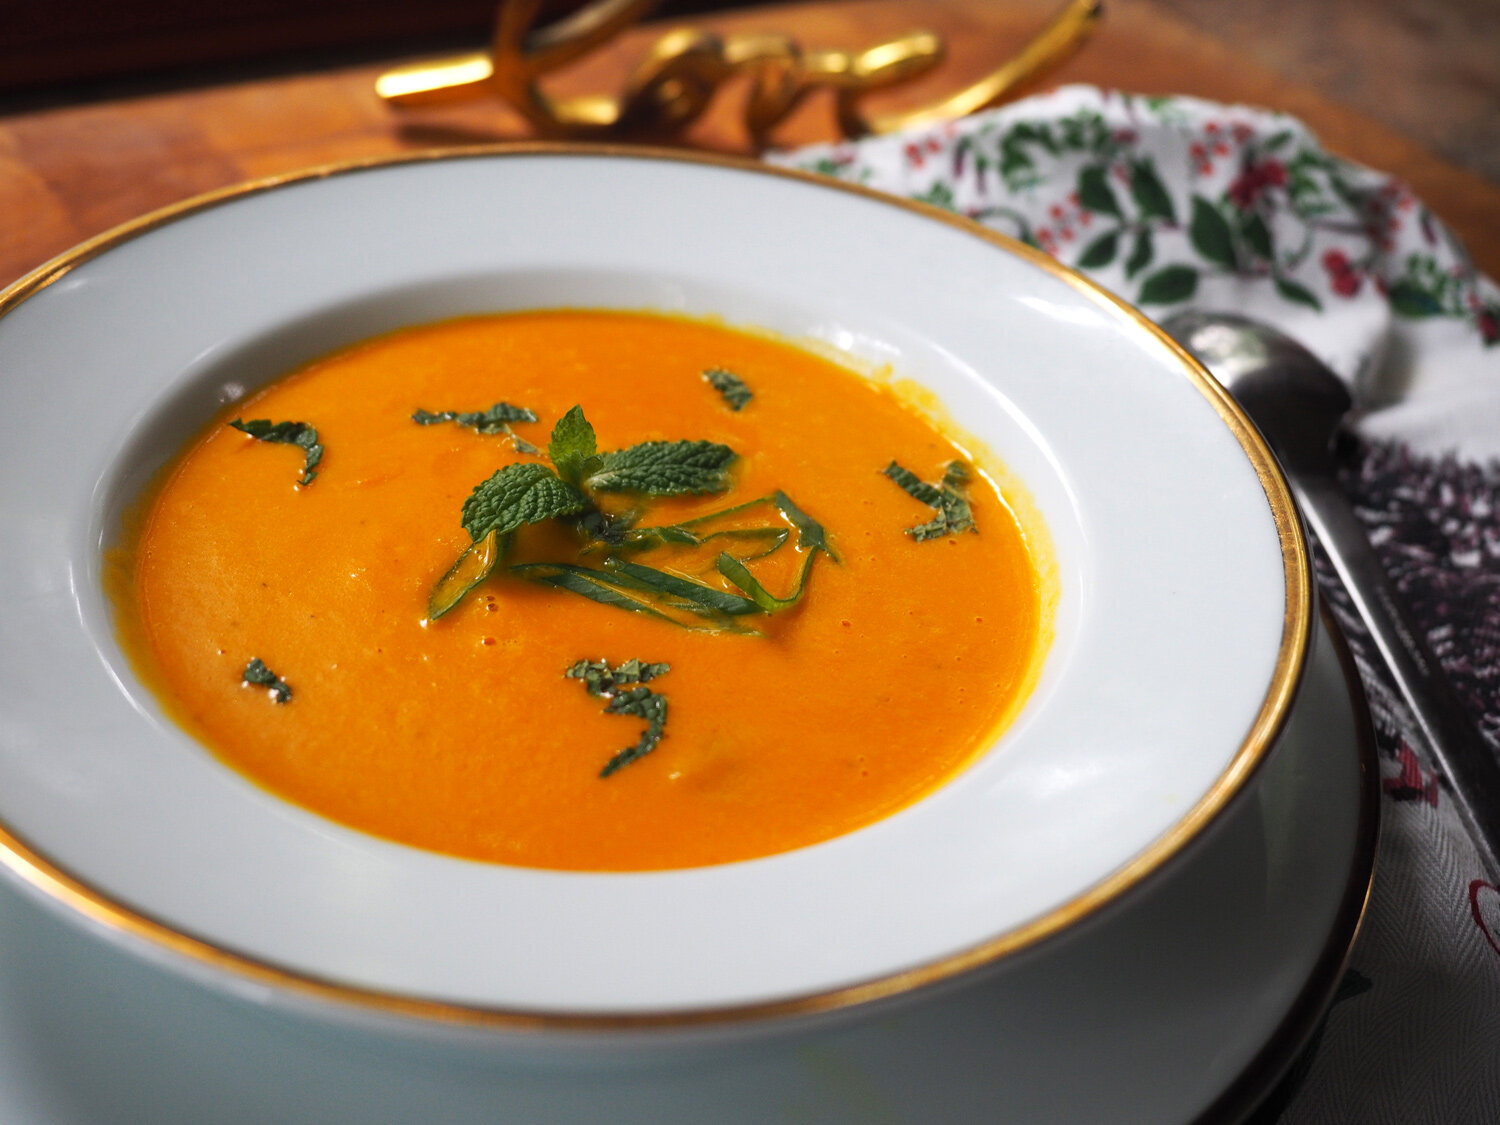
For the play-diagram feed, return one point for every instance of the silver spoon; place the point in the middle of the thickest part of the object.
(1298, 404)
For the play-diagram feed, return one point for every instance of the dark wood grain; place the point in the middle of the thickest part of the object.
(1429, 68)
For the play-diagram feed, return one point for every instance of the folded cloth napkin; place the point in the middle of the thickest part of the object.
(1177, 203)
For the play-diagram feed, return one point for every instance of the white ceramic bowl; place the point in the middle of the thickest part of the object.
(1181, 631)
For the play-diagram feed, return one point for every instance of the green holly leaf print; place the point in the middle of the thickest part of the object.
(1210, 234)
(1100, 252)
(1411, 300)
(1168, 285)
(1013, 159)
(939, 195)
(1037, 132)
(1297, 294)
(1149, 194)
(1141, 255)
(1094, 191)
(1258, 237)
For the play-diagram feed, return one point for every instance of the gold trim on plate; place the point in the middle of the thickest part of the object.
(1264, 731)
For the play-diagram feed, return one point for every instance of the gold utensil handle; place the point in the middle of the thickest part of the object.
(1053, 46)
(680, 74)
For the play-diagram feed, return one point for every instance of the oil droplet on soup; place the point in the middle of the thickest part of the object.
(902, 659)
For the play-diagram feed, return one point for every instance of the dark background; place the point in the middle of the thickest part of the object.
(49, 43)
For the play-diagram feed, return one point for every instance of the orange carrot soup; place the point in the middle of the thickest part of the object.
(586, 590)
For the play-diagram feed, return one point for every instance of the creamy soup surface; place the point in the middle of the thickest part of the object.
(901, 659)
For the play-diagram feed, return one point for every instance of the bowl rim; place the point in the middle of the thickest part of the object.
(120, 921)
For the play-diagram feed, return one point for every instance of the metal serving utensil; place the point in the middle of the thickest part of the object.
(1298, 405)
(684, 69)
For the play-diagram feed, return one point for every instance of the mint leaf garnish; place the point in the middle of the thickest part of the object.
(287, 433)
(698, 612)
(519, 494)
(600, 679)
(473, 567)
(627, 695)
(811, 539)
(954, 515)
(731, 386)
(913, 485)
(957, 515)
(573, 448)
(664, 468)
(810, 534)
(531, 493)
(589, 583)
(679, 591)
(258, 674)
(653, 468)
(495, 420)
(673, 597)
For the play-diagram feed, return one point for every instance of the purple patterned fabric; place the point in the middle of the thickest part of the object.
(1435, 523)
(1175, 203)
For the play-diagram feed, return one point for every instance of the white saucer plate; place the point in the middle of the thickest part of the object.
(1181, 1005)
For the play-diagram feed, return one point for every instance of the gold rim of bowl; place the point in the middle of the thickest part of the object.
(1262, 736)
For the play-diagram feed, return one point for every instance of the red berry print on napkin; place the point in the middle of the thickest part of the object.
(1484, 904)
(1344, 277)
(1254, 180)
(1411, 784)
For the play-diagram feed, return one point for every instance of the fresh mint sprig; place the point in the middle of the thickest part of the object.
(528, 493)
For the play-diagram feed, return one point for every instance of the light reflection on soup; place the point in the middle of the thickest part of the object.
(900, 662)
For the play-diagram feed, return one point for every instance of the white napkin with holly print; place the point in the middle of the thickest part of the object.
(1177, 203)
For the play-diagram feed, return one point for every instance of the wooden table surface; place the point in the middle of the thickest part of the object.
(68, 173)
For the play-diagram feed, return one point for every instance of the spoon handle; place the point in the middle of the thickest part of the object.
(1463, 754)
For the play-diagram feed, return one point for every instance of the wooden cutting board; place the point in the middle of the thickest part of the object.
(69, 173)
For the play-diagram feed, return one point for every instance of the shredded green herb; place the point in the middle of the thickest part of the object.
(528, 493)
(476, 564)
(625, 689)
(731, 386)
(256, 673)
(287, 433)
(954, 515)
(495, 420)
(912, 485)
